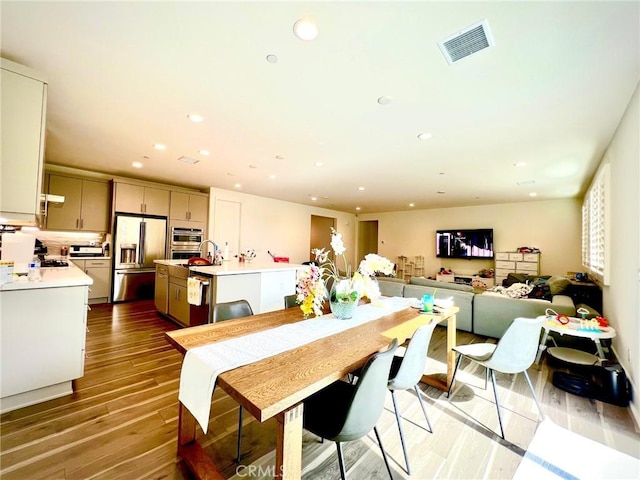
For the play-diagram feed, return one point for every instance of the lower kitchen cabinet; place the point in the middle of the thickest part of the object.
(42, 343)
(178, 305)
(161, 297)
(100, 272)
(171, 296)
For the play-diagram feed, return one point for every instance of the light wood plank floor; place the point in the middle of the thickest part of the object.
(121, 421)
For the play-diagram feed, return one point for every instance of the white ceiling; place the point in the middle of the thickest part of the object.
(123, 76)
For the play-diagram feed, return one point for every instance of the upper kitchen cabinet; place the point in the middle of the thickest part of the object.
(85, 207)
(192, 207)
(23, 111)
(131, 198)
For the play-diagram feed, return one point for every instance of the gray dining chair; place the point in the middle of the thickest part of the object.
(343, 412)
(230, 311)
(515, 352)
(290, 301)
(406, 372)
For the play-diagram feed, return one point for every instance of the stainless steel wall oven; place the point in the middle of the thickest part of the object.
(184, 242)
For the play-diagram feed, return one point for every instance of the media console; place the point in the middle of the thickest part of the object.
(466, 280)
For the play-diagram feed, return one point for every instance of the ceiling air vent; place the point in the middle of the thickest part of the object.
(466, 42)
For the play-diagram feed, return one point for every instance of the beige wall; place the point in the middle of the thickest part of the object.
(621, 297)
(283, 228)
(553, 226)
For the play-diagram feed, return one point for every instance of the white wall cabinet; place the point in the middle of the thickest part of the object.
(191, 207)
(516, 262)
(100, 272)
(130, 198)
(43, 343)
(86, 204)
(23, 112)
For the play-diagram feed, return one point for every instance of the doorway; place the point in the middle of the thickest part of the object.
(321, 234)
(367, 238)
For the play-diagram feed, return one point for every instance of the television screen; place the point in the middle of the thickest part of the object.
(470, 244)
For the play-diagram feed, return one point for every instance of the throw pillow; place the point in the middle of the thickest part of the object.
(557, 284)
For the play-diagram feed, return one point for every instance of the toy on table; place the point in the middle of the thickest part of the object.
(553, 318)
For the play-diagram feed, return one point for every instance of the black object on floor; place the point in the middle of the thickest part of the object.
(605, 383)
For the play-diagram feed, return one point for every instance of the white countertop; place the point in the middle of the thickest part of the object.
(52, 277)
(233, 267)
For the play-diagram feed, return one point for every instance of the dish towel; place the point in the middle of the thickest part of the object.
(194, 291)
(202, 365)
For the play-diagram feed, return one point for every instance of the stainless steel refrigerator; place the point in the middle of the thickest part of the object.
(137, 242)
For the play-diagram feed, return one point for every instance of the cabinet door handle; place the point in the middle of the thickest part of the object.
(82, 223)
(77, 223)
(142, 208)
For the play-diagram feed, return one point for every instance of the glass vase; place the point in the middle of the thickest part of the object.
(343, 299)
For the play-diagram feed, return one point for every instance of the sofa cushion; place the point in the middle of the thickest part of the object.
(524, 278)
(557, 284)
(425, 282)
(462, 300)
(493, 313)
(391, 287)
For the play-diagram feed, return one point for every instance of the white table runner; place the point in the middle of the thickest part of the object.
(202, 365)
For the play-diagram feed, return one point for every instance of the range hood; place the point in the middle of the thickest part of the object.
(55, 199)
(22, 219)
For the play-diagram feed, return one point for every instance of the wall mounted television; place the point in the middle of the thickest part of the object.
(470, 243)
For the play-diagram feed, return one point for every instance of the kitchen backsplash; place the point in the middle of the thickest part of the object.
(54, 241)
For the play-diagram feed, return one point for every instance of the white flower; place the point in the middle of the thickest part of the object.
(373, 263)
(337, 244)
(320, 254)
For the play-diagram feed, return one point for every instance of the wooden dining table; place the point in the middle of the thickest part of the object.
(276, 386)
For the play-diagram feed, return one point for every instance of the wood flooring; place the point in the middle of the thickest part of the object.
(120, 422)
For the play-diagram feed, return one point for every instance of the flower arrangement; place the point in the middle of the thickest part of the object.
(311, 289)
(248, 255)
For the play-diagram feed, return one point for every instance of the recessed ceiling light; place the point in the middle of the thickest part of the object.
(272, 177)
(190, 161)
(519, 164)
(314, 198)
(361, 188)
(159, 146)
(272, 58)
(204, 152)
(425, 136)
(385, 100)
(253, 166)
(136, 165)
(194, 117)
(305, 29)
(533, 194)
(279, 157)
(324, 198)
(526, 182)
(237, 185)
(412, 205)
(358, 209)
(319, 164)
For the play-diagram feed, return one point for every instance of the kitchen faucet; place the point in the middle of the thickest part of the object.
(215, 249)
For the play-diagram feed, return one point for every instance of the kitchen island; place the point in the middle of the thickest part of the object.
(263, 284)
(42, 345)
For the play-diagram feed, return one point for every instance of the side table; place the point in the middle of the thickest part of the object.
(573, 328)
